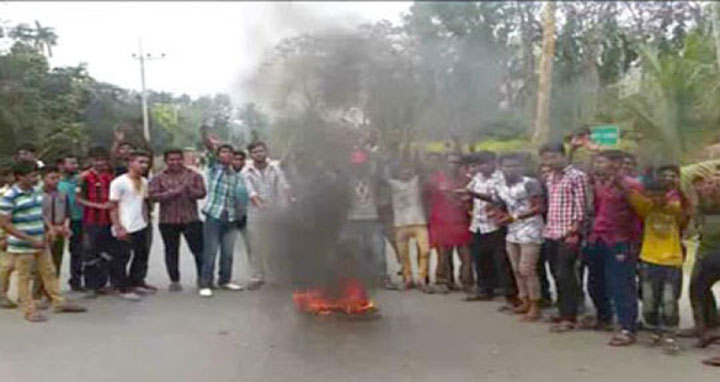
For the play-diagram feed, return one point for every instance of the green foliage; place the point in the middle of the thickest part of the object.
(64, 109)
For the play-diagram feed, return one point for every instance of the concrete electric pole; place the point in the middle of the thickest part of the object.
(142, 57)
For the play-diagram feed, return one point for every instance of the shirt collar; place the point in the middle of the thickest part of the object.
(19, 190)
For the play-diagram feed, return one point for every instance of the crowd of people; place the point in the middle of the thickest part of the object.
(582, 219)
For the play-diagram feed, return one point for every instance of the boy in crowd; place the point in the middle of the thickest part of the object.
(566, 207)
(449, 222)
(612, 262)
(523, 200)
(410, 223)
(492, 266)
(56, 214)
(120, 153)
(177, 189)
(21, 217)
(269, 191)
(6, 181)
(706, 270)
(363, 227)
(67, 185)
(219, 230)
(92, 194)
(662, 259)
(28, 152)
(546, 300)
(129, 215)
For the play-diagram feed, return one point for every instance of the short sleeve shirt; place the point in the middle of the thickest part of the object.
(481, 221)
(407, 203)
(517, 197)
(25, 211)
(131, 202)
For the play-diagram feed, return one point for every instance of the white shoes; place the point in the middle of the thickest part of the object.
(232, 287)
(205, 292)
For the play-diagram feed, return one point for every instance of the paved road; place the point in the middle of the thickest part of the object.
(257, 336)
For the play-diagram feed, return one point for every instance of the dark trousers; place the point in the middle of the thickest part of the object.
(542, 265)
(660, 296)
(76, 253)
(193, 233)
(563, 261)
(492, 264)
(706, 272)
(612, 282)
(135, 247)
(101, 249)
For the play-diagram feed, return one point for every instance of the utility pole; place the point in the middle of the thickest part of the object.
(142, 57)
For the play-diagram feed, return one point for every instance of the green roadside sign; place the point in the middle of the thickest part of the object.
(606, 135)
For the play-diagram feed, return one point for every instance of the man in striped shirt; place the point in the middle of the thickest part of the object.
(21, 216)
(92, 193)
(566, 206)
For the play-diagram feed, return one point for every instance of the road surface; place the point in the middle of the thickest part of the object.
(258, 336)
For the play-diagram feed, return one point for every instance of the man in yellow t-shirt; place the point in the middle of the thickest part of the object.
(662, 259)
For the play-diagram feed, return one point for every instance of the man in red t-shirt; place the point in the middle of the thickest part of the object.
(92, 193)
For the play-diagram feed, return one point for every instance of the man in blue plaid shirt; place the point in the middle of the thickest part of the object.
(219, 230)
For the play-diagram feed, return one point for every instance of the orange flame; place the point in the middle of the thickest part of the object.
(353, 299)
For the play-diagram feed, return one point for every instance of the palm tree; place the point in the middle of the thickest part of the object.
(678, 102)
(44, 38)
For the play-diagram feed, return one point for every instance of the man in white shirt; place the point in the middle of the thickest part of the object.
(488, 246)
(269, 191)
(410, 222)
(129, 217)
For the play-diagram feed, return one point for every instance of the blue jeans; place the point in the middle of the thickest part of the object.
(612, 270)
(217, 234)
(660, 296)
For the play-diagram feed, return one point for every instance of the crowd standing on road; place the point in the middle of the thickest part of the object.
(585, 214)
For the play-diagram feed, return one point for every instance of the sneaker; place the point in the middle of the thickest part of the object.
(129, 296)
(255, 284)
(6, 303)
(149, 287)
(389, 285)
(175, 287)
(143, 290)
(77, 288)
(205, 292)
(69, 308)
(232, 287)
(442, 289)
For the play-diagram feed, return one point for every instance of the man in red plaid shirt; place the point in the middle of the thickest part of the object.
(567, 200)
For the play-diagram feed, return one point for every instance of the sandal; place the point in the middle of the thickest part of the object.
(707, 339)
(35, 317)
(624, 338)
(712, 361)
(562, 327)
(671, 347)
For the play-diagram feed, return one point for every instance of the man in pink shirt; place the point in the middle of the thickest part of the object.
(611, 261)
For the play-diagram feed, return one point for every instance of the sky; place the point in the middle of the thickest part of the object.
(209, 47)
